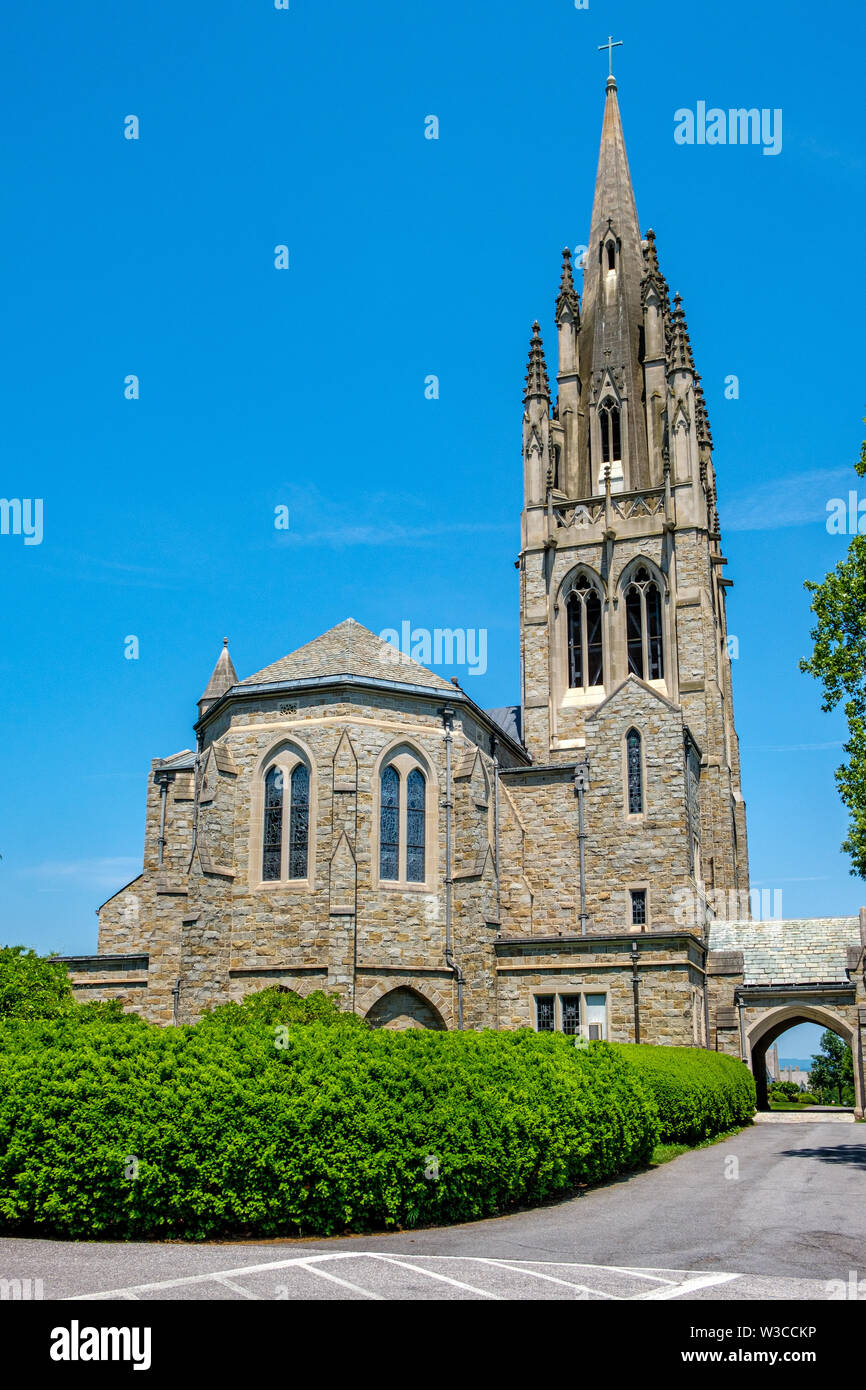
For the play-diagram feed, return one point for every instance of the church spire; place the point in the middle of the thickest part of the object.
(223, 677)
(612, 309)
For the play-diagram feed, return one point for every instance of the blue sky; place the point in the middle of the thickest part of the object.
(305, 387)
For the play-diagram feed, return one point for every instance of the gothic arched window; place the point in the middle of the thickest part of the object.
(609, 421)
(634, 772)
(585, 646)
(402, 820)
(299, 822)
(416, 795)
(643, 623)
(611, 256)
(389, 825)
(272, 839)
(286, 819)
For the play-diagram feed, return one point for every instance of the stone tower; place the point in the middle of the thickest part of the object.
(622, 571)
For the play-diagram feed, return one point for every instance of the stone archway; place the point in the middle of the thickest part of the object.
(775, 1022)
(404, 1007)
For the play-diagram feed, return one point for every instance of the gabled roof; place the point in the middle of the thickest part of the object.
(349, 649)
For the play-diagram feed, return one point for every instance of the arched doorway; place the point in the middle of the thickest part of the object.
(404, 1008)
(775, 1022)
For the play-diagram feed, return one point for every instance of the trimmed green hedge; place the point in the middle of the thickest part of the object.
(112, 1127)
(698, 1093)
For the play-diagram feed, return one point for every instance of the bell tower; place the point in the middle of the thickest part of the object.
(621, 567)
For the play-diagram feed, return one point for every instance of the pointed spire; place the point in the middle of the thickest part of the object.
(567, 300)
(681, 359)
(612, 310)
(223, 677)
(537, 384)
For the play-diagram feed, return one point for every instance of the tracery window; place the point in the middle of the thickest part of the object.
(299, 823)
(272, 840)
(643, 622)
(389, 825)
(286, 828)
(634, 772)
(609, 421)
(585, 643)
(403, 822)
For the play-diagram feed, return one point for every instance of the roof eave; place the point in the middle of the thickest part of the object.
(453, 695)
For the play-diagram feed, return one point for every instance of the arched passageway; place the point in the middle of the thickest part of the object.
(773, 1024)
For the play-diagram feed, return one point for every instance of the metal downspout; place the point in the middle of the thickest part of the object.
(447, 718)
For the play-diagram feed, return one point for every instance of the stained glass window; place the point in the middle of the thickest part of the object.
(638, 907)
(570, 1013)
(415, 833)
(544, 1013)
(389, 825)
(635, 773)
(299, 822)
(272, 840)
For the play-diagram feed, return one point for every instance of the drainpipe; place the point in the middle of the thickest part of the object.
(581, 786)
(635, 986)
(447, 720)
(741, 1005)
(494, 748)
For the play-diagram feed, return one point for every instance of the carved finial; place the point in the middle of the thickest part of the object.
(567, 300)
(536, 376)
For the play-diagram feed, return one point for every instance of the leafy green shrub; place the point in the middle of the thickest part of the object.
(698, 1093)
(122, 1129)
(33, 986)
(278, 1005)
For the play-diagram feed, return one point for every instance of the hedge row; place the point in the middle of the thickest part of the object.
(699, 1094)
(111, 1127)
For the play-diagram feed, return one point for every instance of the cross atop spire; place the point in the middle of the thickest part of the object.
(610, 46)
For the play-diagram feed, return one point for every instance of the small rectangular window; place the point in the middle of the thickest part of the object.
(544, 1013)
(595, 1008)
(570, 1013)
(638, 907)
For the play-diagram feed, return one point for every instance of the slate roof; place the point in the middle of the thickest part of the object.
(799, 951)
(508, 719)
(349, 649)
(178, 761)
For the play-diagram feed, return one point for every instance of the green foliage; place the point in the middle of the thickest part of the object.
(32, 986)
(831, 1074)
(698, 1093)
(785, 1090)
(116, 1128)
(278, 1005)
(838, 661)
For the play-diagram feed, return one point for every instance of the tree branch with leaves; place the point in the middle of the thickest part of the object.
(838, 661)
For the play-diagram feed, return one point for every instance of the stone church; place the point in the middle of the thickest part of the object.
(352, 822)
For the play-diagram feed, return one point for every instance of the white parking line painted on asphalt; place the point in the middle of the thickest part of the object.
(667, 1284)
(230, 1284)
(431, 1274)
(549, 1278)
(313, 1268)
(699, 1281)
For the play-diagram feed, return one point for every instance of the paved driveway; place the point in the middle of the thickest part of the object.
(777, 1212)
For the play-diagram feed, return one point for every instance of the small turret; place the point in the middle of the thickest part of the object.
(223, 677)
